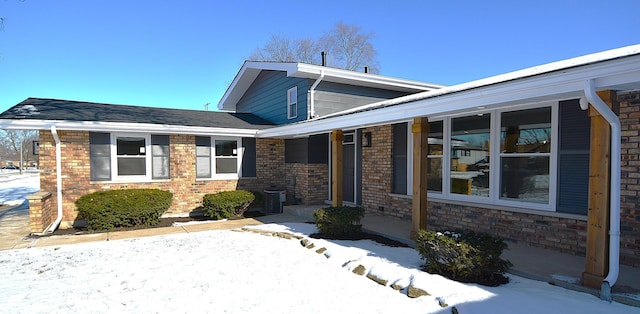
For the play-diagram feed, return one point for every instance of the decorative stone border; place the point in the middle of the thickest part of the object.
(360, 270)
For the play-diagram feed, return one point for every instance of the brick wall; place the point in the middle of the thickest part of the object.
(41, 211)
(187, 191)
(307, 183)
(377, 174)
(630, 178)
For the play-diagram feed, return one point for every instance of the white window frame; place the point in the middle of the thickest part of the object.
(292, 103)
(114, 157)
(495, 162)
(239, 158)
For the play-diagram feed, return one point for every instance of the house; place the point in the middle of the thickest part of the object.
(548, 156)
(85, 147)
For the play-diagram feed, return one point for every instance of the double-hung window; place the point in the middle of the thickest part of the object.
(218, 157)
(292, 103)
(129, 156)
(525, 154)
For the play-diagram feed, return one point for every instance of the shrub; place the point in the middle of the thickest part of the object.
(339, 222)
(226, 204)
(463, 256)
(106, 210)
(257, 201)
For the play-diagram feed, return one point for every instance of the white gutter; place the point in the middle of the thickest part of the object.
(56, 223)
(311, 113)
(96, 126)
(614, 223)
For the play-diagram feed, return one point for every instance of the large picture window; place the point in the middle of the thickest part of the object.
(501, 157)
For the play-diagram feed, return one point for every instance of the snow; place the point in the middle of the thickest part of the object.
(225, 271)
(14, 187)
(234, 271)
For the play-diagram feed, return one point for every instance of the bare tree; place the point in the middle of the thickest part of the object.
(18, 144)
(348, 48)
(351, 49)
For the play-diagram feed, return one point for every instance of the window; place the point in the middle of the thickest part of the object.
(226, 156)
(525, 146)
(470, 171)
(131, 156)
(129, 153)
(435, 150)
(292, 103)
(221, 158)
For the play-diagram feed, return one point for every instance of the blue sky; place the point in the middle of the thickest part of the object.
(183, 54)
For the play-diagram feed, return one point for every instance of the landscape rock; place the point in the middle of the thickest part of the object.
(414, 292)
(359, 270)
(321, 250)
(376, 279)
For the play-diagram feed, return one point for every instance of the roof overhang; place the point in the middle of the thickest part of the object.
(31, 124)
(251, 69)
(617, 69)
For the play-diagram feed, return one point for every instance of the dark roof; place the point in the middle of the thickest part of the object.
(66, 110)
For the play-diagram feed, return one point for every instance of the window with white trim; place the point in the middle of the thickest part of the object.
(129, 156)
(500, 157)
(218, 157)
(292, 103)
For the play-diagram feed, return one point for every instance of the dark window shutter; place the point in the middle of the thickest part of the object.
(160, 151)
(573, 159)
(399, 156)
(249, 157)
(100, 156)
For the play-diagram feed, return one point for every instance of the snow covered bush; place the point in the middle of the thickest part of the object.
(107, 210)
(226, 204)
(463, 256)
(339, 222)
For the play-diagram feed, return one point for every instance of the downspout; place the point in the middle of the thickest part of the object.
(56, 223)
(311, 113)
(614, 220)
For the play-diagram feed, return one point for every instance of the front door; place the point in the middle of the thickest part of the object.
(349, 167)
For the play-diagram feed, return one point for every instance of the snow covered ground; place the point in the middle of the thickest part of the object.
(15, 187)
(243, 272)
(226, 271)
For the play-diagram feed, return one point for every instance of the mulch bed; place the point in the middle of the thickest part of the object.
(168, 222)
(363, 236)
(164, 222)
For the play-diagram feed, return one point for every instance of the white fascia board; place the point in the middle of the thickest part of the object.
(364, 79)
(30, 124)
(559, 85)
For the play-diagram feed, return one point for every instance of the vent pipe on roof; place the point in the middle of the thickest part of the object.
(324, 58)
(366, 69)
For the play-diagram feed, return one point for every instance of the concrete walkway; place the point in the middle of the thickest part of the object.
(529, 262)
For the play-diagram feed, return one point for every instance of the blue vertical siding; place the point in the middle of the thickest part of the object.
(267, 97)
